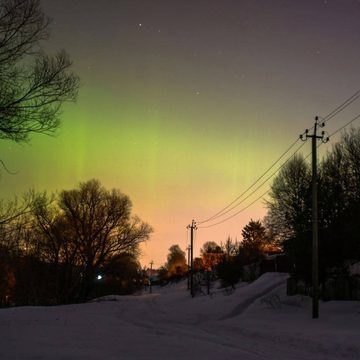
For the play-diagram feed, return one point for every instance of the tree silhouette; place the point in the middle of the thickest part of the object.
(122, 274)
(254, 239)
(33, 85)
(176, 262)
(340, 201)
(87, 227)
(289, 207)
(211, 254)
(230, 267)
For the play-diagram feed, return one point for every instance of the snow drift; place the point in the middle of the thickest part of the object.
(257, 321)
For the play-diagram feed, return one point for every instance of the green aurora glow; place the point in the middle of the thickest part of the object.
(187, 110)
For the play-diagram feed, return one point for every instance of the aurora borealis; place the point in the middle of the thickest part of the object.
(184, 104)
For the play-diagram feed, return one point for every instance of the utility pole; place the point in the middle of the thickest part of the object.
(151, 264)
(192, 227)
(315, 242)
(188, 262)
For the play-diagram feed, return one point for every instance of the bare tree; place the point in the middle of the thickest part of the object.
(92, 225)
(81, 232)
(289, 207)
(55, 245)
(33, 85)
(12, 209)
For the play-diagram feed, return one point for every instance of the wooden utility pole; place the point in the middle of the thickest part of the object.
(192, 227)
(315, 242)
(188, 262)
(151, 264)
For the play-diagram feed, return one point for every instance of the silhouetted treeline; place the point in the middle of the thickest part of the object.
(289, 215)
(70, 247)
(229, 262)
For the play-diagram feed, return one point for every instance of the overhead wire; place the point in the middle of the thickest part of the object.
(258, 187)
(342, 106)
(264, 182)
(222, 211)
(237, 213)
(232, 205)
(338, 130)
(336, 111)
(344, 126)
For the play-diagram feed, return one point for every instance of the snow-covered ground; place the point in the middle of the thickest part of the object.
(257, 321)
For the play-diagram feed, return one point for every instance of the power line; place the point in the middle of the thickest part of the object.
(221, 212)
(342, 106)
(232, 205)
(255, 190)
(335, 132)
(338, 130)
(344, 126)
(237, 213)
(339, 108)
(267, 179)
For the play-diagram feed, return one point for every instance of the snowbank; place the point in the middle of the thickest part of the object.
(257, 321)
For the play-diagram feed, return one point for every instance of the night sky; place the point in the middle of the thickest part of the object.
(184, 104)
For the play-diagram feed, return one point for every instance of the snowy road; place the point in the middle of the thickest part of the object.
(258, 321)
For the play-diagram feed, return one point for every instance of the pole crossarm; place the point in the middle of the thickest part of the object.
(305, 135)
